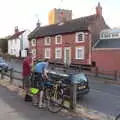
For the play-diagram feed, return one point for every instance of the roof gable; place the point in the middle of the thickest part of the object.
(79, 24)
(16, 35)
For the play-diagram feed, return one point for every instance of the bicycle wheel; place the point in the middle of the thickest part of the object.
(55, 101)
(118, 117)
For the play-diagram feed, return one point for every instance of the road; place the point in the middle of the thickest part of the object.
(12, 107)
(102, 97)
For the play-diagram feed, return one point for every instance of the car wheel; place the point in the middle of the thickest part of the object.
(6, 69)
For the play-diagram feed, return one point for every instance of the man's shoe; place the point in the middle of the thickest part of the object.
(35, 104)
(41, 106)
(27, 98)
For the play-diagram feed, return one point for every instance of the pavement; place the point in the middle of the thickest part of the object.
(17, 95)
(13, 107)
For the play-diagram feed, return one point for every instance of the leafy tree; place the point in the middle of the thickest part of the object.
(3, 45)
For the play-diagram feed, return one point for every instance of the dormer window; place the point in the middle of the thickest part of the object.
(80, 37)
(58, 39)
(115, 35)
(47, 41)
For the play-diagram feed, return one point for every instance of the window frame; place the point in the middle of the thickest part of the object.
(56, 42)
(33, 44)
(76, 37)
(45, 55)
(56, 56)
(45, 41)
(34, 55)
(83, 54)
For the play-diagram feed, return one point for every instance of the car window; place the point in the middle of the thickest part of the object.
(78, 78)
(1, 60)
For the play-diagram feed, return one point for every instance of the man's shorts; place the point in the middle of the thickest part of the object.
(40, 81)
(26, 81)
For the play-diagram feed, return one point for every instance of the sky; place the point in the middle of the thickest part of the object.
(25, 13)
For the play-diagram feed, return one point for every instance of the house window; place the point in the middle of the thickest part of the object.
(33, 42)
(107, 35)
(79, 37)
(58, 53)
(47, 52)
(58, 39)
(34, 53)
(115, 35)
(79, 53)
(102, 36)
(47, 41)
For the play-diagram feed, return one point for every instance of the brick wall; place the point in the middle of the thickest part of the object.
(108, 60)
(68, 40)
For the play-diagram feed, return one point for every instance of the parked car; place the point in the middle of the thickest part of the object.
(69, 79)
(4, 65)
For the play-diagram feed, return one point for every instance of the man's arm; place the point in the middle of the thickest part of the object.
(45, 73)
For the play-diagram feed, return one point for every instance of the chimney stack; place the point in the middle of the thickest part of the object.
(99, 10)
(16, 29)
(38, 24)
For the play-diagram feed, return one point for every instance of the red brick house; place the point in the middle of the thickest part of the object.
(69, 41)
(106, 52)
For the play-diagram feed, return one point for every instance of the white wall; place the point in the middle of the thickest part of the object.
(9, 47)
(25, 39)
(25, 43)
(14, 46)
(23, 53)
(17, 47)
(110, 33)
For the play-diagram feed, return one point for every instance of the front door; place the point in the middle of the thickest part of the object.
(67, 55)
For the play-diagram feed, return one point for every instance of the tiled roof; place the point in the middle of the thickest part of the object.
(16, 35)
(80, 24)
(108, 43)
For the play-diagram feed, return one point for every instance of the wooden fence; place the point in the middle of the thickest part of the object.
(109, 74)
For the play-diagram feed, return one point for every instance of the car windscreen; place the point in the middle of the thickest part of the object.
(57, 76)
(78, 78)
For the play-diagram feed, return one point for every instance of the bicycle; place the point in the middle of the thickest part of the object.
(53, 95)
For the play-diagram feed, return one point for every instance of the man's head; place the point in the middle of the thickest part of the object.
(46, 60)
